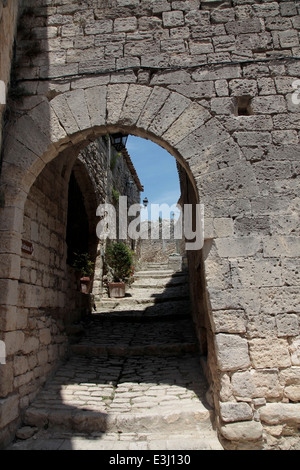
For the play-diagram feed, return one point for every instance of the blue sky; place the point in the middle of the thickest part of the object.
(157, 171)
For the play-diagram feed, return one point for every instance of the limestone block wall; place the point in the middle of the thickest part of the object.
(158, 242)
(213, 84)
(111, 175)
(43, 279)
(42, 285)
(8, 21)
(96, 159)
(34, 334)
(48, 298)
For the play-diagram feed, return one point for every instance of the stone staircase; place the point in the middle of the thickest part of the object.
(133, 380)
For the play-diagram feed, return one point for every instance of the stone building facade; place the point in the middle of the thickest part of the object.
(112, 175)
(214, 83)
(159, 242)
(59, 219)
(8, 22)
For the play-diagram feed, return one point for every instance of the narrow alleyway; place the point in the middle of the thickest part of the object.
(133, 380)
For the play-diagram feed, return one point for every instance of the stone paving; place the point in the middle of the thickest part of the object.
(133, 381)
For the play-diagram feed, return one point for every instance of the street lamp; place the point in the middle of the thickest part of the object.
(118, 140)
(129, 186)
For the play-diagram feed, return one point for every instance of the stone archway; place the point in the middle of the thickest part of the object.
(176, 73)
(185, 128)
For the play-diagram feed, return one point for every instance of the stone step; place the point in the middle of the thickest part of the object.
(89, 421)
(157, 349)
(115, 310)
(156, 295)
(133, 441)
(157, 266)
(143, 298)
(154, 283)
(133, 380)
(158, 274)
(104, 329)
(124, 394)
(156, 292)
(106, 336)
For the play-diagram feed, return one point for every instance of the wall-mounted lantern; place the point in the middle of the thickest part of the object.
(119, 141)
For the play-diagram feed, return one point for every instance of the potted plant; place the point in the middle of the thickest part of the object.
(119, 260)
(85, 269)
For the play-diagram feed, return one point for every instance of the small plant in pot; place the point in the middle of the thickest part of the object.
(85, 270)
(119, 260)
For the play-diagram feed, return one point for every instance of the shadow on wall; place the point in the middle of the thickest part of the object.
(130, 371)
(34, 294)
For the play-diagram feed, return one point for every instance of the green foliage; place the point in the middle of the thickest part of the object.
(114, 160)
(115, 196)
(83, 264)
(119, 258)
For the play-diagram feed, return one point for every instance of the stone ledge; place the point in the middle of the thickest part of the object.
(243, 431)
(281, 413)
(9, 410)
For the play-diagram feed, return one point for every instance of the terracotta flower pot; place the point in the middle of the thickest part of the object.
(85, 284)
(117, 289)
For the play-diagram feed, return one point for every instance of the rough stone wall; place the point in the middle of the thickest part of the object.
(95, 157)
(43, 284)
(111, 175)
(124, 181)
(158, 249)
(35, 336)
(8, 17)
(8, 20)
(213, 84)
(48, 300)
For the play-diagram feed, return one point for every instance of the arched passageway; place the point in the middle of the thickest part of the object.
(60, 196)
(145, 343)
(224, 107)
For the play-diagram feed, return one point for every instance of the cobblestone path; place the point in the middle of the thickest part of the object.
(133, 380)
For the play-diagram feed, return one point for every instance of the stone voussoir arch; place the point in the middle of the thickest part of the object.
(181, 125)
(47, 127)
(215, 87)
